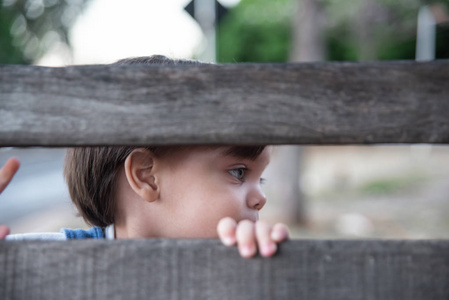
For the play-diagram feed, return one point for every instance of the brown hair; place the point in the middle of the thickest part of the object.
(91, 172)
(91, 176)
(157, 60)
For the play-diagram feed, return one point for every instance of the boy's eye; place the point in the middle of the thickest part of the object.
(238, 173)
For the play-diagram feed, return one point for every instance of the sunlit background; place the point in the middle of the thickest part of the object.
(394, 191)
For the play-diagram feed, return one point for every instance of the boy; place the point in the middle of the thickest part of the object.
(169, 191)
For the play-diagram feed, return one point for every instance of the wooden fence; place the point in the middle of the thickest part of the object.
(318, 103)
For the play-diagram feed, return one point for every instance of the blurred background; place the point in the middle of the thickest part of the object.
(382, 191)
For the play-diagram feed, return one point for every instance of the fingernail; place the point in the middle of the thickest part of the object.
(277, 236)
(229, 241)
(268, 249)
(247, 251)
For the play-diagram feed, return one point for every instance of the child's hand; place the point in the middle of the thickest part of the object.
(250, 236)
(6, 174)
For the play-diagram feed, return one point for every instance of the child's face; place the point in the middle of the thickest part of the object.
(200, 186)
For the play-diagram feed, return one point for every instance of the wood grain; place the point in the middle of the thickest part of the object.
(314, 103)
(205, 269)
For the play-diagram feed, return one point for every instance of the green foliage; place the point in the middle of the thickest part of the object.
(341, 45)
(256, 31)
(261, 30)
(28, 28)
(399, 48)
(442, 42)
(9, 53)
(392, 33)
(393, 184)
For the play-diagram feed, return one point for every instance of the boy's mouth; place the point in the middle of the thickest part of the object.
(253, 217)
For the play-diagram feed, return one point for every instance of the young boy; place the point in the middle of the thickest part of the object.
(168, 191)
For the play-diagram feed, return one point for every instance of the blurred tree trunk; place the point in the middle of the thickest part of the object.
(308, 32)
(370, 15)
(307, 45)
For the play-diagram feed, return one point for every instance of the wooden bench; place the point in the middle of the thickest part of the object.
(318, 103)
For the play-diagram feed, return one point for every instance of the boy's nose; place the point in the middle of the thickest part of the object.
(256, 199)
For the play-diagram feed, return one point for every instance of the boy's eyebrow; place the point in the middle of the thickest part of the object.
(244, 152)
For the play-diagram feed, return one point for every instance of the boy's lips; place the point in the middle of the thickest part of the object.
(253, 217)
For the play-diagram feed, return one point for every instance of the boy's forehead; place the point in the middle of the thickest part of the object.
(250, 153)
(243, 152)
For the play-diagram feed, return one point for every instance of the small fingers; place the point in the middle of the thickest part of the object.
(246, 239)
(7, 172)
(4, 231)
(251, 236)
(226, 231)
(267, 247)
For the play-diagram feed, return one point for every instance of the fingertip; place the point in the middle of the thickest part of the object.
(227, 220)
(226, 231)
(4, 231)
(280, 233)
(268, 250)
(11, 166)
(246, 239)
(228, 240)
(13, 162)
(247, 251)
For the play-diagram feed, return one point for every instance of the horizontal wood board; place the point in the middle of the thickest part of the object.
(312, 103)
(205, 269)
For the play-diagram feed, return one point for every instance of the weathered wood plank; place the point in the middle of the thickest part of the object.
(319, 103)
(204, 269)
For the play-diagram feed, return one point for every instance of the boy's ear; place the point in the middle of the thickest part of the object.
(140, 173)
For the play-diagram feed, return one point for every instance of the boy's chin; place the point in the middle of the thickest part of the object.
(251, 217)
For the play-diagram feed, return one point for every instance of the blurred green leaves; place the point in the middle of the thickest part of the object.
(390, 185)
(256, 31)
(261, 30)
(29, 28)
